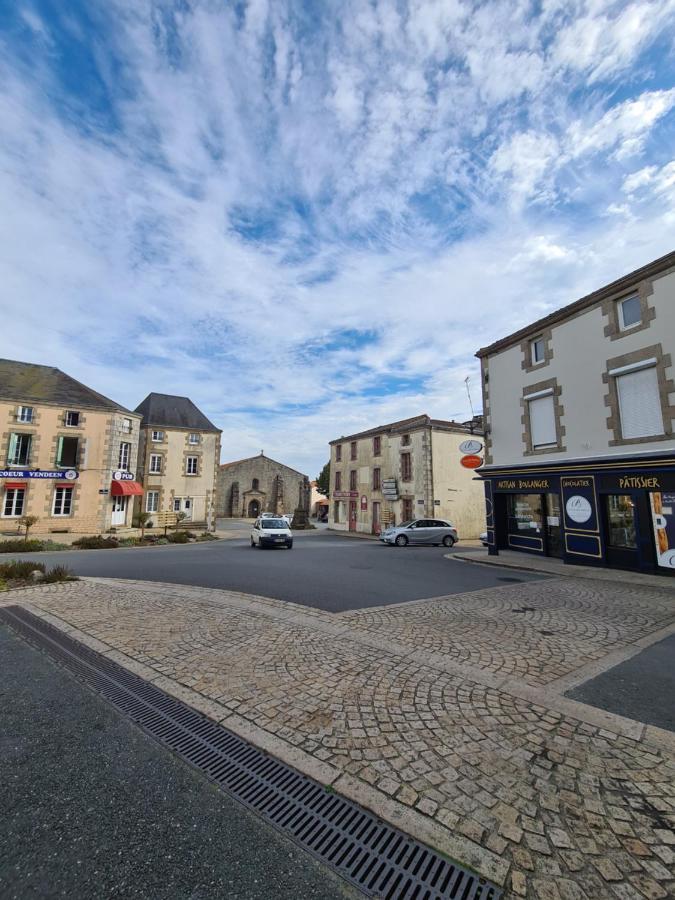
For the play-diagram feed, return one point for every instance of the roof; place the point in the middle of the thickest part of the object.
(32, 383)
(167, 411)
(404, 425)
(236, 462)
(623, 284)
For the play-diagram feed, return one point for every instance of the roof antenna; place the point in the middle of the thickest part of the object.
(466, 382)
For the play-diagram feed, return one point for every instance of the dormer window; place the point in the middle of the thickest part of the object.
(630, 313)
(193, 438)
(72, 418)
(25, 414)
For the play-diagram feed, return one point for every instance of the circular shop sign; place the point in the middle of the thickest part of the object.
(470, 447)
(471, 461)
(70, 474)
(578, 509)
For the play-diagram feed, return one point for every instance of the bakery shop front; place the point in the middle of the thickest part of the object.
(608, 514)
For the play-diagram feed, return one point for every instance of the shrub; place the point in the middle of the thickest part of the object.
(58, 573)
(20, 546)
(179, 537)
(162, 540)
(19, 570)
(96, 542)
(207, 536)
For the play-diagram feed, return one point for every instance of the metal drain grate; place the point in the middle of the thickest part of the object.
(380, 860)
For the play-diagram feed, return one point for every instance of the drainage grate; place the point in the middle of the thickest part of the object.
(380, 860)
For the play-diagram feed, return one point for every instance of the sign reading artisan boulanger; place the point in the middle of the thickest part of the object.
(68, 474)
(522, 484)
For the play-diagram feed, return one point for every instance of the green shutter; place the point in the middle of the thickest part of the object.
(59, 451)
(11, 455)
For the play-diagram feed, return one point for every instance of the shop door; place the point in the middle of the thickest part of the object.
(376, 517)
(352, 515)
(552, 525)
(119, 511)
(627, 547)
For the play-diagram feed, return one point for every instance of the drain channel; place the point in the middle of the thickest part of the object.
(380, 860)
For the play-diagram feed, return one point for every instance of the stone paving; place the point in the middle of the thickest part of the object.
(416, 704)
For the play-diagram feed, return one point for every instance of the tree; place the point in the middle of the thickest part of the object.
(323, 480)
(143, 518)
(28, 522)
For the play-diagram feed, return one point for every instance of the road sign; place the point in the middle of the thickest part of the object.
(470, 446)
(471, 461)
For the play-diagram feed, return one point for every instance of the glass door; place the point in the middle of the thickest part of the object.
(621, 530)
(552, 525)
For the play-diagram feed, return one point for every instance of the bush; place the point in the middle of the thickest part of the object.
(58, 573)
(162, 540)
(18, 570)
(21, 546)
(96, 542)
(179, 537)
(207, 536)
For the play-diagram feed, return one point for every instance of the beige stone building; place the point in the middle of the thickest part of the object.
(179, 455)
(401, 471)
(580, 415)
(69, 453)
(248, 487)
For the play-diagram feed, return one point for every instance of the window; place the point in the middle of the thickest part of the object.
(377, 445)
(352, 480)
(176, 504)
(72, 418)
(353, 450)
(191, 465)
(525, 516)
(67, 452)
(336, 511)
(639, 403)
(126, 426)
(405, 440)
(19, 449)
(125, 455)
(406, 467)
(542, 422)
(193, 438)
(621, 531)
(630, 313)
(255, 484)
(152, 501)
(376, 479)
(538, 350)
(13, 503)
(25, 414)
(338, 453)
(158, 435)
(338, 481)
(63, 501)
(155, 464)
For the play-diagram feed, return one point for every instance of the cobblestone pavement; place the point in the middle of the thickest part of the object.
(413, 708)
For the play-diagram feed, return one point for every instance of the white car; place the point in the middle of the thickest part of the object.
(271, 531)
(269, 515)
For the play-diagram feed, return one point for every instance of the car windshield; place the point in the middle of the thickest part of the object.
(273, 523)
(406, 524)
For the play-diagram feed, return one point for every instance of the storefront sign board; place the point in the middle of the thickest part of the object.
(68, 474)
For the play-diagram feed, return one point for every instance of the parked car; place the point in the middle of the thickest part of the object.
(271, 515)
(421, 531)
(483, 538)
(271, 532)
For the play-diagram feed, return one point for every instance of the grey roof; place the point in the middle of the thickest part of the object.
(421, 421)
(248, 459)
(173, 412)
(30, 383)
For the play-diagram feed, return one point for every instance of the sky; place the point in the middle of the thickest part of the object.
(308, 216)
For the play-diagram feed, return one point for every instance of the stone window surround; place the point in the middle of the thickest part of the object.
(25, 508)
(161, 431)
(81, 421)
(162, 463)
(192, 455)
(406, 473)
(65, 487)
(377, 478)
(558, 412)
(353, 450)
(666, 387)
(81, 441)
(610, 310)
(193, 443)
(34, 446)
(338, 481)
(528, 364)
(338, 453)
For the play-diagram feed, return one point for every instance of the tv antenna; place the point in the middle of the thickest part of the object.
(468, 391)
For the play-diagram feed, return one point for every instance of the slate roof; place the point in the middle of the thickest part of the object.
(168, 411)
(408, 425)
(30, 383)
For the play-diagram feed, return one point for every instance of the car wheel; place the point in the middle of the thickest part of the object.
(401, 540)
(448, 540)
(290, 546)
(252, 543)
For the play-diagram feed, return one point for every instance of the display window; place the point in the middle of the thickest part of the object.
(663, 516)
(621, 525)
(525, 515)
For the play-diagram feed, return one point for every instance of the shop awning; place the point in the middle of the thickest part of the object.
(13, 485)
(125, 488)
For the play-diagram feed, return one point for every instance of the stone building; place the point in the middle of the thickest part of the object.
(401, 471)
(178, 458)
(69, 453)
(248, 487)
(580, 414)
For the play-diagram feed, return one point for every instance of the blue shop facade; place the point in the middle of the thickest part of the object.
(610, 512)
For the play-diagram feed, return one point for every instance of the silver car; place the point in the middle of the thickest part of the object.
(421, 531)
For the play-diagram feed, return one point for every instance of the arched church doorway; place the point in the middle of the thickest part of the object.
(254, 509)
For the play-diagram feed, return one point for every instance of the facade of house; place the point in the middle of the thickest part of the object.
(69, 453)
(401, 471)
(248, 487)
(579, 410)
(179, 454)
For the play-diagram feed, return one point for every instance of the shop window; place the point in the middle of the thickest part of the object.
(353, 450)
(63, 501)
(193, 438)
(525, 515)
(621, 531)
(376, 479)
(406, 467)
(338, 453)
(25, 414)
(639, 403)
(72, 418)
(152, 501)
(67, 452)
(352, 480)
(630, 313)
(124, 456)
(19, 449)
(542, 422)
(155, 463)
(13, 502)
(192, 465)
(158, 436)
(338, 481)
(377, 445)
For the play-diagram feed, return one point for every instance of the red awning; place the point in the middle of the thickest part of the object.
(13, 485)
(125, 488)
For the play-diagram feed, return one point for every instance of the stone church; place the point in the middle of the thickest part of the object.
(259, 484)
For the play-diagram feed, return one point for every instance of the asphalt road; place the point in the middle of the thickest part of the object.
(322, 570)
(92, 807)
(642, 688)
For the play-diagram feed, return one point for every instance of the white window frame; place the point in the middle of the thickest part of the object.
(127, 426)
(541, 395)
(535, 358)
(157, 436)
(177, 504)
(69, 413)
(622, 323)
(58, 501)
(188, 461)
(19, 435)
(194, 438)
(25, 414)
(14, 514)
(152, 507)
(158, 469)
(125, 456)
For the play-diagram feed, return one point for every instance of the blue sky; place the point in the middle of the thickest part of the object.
(308, 216)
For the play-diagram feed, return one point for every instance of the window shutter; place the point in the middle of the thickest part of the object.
(13, 440)
(542, 422)
(639, 403)
(59, 451)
